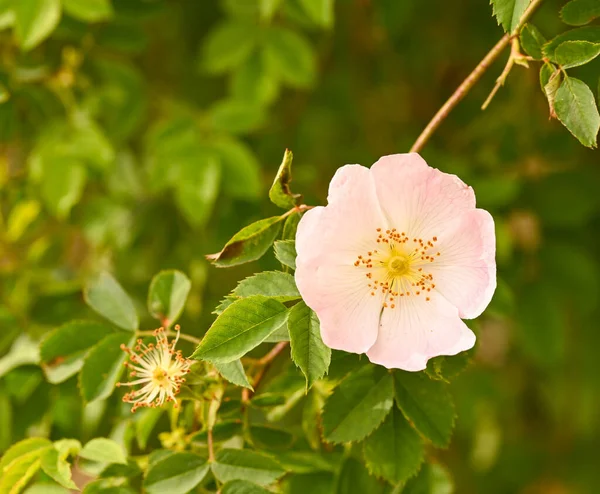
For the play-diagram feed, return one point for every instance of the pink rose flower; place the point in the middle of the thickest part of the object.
(394, 261)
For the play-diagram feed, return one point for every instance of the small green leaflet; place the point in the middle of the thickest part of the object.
(532, 41)
(308, 350)
(433, 478)
(358, 405)
(103, 366)
(90, 10)
(587, 33)
(289, 56)
(320, 11)
(241, 327)
(234, 373)
(177, 473)
(550, 79)
(394, 451)
(243, 464)
(509, 12)
(167, 295)
(228, 45)
(103, 450)
(426, 404)
(62, 350)
(249, 244)
(35, 20)
(106, 296)
(280, 192)
(56, 466)
(285, 252)
(576, 108)
(243, 487)
(273, 284)
(575, 53)
(580, 12)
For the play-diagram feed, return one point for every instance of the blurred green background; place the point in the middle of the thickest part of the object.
(143, 137)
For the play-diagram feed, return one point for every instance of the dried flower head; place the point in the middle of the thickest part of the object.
(394, 261)
(159, 368)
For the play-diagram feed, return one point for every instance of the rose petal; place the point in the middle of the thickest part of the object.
(417, 330)
(465, 272)
(416, 198)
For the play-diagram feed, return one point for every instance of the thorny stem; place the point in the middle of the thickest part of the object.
(183, 336)
(472, 79)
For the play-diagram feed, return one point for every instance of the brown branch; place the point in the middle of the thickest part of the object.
(263, 364)
(211, 449)
(471, 80)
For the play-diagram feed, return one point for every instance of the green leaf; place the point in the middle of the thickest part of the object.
(273, 284)
(20, 463)
(320, 11)
(426, 404)
(103, 367)
(241, 327)
(575, 53)
(197, 188)
(146, 420)
(308, 350)
(580, 12)
(290, 57)
(107, 486)
(57, 467)
(311, 417)
(243, 464)
(268, 400)
(285, 252)
(103, 450)
(33, 446)
(243, 487)
(62, 350)
(241, 173)
(249, 244)
(550, 79)
(532, 41)
(358, 404)
(509, 12)
(236, 117)
(89, 10)
(16, 476)
(280, 192)
(35, 20)
(108, 299)
(291, 226)
(23, 351)
(587, 33)
(62, 188)
(394, 451)
(576, 108)
(252, 81)
(167, 295)
(268, 437)
(432, 479)
(234, 373)
(355, 479)
(228, 45)
(176, 474)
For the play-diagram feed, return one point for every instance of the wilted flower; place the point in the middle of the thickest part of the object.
(394, 261)
(159, 368)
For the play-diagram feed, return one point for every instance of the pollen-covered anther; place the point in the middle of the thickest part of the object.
(159, 369)
(396, 268)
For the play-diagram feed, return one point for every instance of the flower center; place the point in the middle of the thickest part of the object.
(399, 266)
(160, 377)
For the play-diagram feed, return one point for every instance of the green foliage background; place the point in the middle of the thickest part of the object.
(141, 136)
